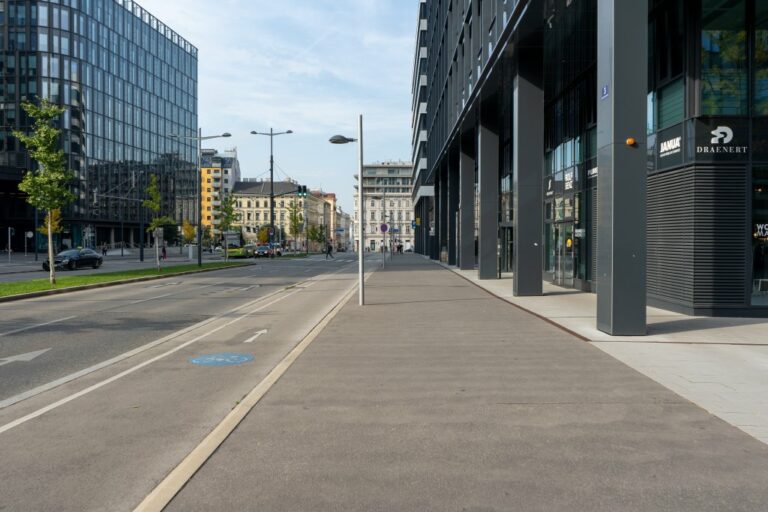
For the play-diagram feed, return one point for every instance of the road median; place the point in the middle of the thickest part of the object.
(65, 284)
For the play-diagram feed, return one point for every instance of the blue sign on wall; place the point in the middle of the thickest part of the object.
(222, 359)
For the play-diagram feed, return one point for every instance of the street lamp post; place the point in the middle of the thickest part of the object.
(272, 134)
(199, 138)
(341, 139)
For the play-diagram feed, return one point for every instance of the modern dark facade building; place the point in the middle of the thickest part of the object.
(609, 146)
(128, 82)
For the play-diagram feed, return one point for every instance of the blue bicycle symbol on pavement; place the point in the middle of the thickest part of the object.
(222, 359)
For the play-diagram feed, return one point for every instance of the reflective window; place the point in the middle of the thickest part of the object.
(723, 58)
(760, 236)
(761, 59)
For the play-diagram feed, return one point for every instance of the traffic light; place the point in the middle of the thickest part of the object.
(301, 190)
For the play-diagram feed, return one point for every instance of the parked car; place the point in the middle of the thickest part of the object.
(262, 251)
(75, 258)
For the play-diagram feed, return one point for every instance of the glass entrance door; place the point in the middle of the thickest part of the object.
(563, 246)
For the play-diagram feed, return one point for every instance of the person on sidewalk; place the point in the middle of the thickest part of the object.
(164, 253)
(329, 251)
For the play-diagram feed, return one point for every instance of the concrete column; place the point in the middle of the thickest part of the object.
(453, 207)
(621, 184)
(488, 185)
(466, 211)
(528, 155)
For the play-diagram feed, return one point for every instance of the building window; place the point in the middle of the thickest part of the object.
(761, 59)
(723, 58)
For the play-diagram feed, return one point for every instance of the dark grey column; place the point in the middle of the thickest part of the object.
(442, 202)
(466, 211)
(488, 185)
(528, 154)
(621, 184)
(453, 207)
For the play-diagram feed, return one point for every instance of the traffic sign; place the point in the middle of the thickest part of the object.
(384, 228)
(222, 359)
(395, 230)
(339, 230)
(413, 224)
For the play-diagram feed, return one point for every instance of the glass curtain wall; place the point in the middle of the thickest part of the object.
(128, 82)
(759, 292)
(570, 53)
(724, 72)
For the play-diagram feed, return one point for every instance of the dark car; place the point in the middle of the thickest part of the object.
(262, 251)
(75, 258)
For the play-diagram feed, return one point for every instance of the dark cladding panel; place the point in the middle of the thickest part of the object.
(671, 236)
(696, 238)
(721, 231)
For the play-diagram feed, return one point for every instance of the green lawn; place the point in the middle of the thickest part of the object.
(65, 280)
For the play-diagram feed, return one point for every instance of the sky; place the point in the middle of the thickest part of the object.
(311, 66)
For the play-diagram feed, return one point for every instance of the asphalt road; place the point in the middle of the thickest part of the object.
(99, 398)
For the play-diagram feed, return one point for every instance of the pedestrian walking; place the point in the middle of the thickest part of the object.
(329, 251)
(164, 253)
(104, 249)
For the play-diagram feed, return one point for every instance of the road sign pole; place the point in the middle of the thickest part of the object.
(9, 244)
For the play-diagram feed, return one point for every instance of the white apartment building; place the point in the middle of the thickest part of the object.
(388, 205)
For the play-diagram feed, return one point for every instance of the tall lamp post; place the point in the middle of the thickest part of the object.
(341, 139)
(272, 134)
(199, 138)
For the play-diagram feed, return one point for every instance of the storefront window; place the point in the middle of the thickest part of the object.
(760, 237)
(761, 59)
(723, 58)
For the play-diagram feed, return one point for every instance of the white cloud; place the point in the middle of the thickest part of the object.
(308, 65)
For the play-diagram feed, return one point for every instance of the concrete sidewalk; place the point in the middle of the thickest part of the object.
(439, 396)
(718, 363)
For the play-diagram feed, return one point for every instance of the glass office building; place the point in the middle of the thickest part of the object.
(128, 82)
(706, 221)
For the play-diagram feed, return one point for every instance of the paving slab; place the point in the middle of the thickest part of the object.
(439, 396)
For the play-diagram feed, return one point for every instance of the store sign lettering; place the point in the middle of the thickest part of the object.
(761, 230)
(591, 173)
(720, 138)
(569, 180)
(671, 147)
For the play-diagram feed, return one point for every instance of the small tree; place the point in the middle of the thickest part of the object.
(154, 203)
(207, 236)
(48, 187)
(295, 221)
(264, 235)
(53, 218)
(187, 232)
(228, 216)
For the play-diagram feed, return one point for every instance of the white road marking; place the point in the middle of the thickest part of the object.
(255, 336)
(90, 389)
(23, 358)
(68, 378)
(22, 329)
(162, 495)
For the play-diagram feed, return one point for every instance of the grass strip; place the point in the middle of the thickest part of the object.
(70, 281)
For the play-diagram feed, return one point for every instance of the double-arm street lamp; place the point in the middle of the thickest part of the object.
(199, 138)
(272, 134)
(341, 139)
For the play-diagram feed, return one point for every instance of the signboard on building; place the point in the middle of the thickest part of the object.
(669, 147)
(721, 139)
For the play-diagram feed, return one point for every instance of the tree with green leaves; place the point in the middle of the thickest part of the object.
(228, 215)
(154, 203)
(47, 188)
(295, 221)
(187, 232)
